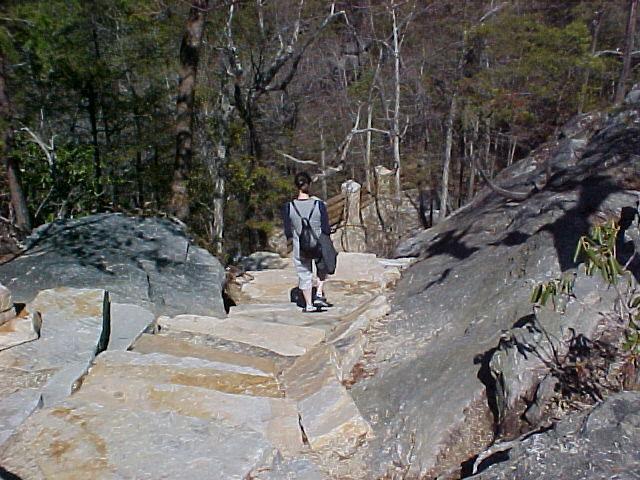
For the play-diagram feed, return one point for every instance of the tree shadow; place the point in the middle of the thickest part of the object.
(450, 243)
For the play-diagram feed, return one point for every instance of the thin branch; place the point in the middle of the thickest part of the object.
(493, 11)
(372, 129)
(44, 201)
(297, 160)
(48, 150)
(295, 58)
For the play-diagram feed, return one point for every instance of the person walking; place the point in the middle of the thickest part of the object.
(303, 212)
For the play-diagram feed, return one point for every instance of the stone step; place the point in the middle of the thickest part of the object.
(329, 416)
(285, 314)
(128, 322)
(285, 340)
(80, 440)
(181, 348)
(274, 418)
(21, 329)
(187, 371)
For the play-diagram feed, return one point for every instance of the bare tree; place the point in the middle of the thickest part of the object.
(189, 58)
(628, 48)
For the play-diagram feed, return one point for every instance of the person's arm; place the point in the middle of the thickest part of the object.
(324, 219)
(286, 220)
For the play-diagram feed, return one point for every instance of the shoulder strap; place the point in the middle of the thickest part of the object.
(293, 204)
(312, 209)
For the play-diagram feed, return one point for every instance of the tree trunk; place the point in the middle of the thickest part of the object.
(93, 120)
(323, 167)
(595, 31)
(396, 108)
(367, 151)
(628, 47)
(472, 166)
(18, 200)
(189, 56)
(447, 157)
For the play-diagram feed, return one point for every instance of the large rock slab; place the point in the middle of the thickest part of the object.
(145, 261)
(432, 398)
(74, 328)
(286, 340)
(78, 440)
(599, 444)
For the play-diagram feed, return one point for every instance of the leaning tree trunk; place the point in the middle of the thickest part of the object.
(18, 200)
(189, 56)
(628, 47)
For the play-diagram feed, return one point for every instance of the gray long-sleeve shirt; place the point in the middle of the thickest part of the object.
(293, 223)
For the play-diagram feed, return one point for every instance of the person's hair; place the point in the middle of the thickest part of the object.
(303, 181)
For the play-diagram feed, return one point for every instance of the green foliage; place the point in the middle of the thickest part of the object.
(70, 181)
(599, 251)
(551, 290)
(632, 340)
(537, 71)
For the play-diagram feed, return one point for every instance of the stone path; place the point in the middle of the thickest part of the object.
(108, 391)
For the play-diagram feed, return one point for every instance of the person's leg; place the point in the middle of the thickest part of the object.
(320, 299)
(305, 278)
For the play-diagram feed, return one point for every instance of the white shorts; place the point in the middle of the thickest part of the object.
(304, 269)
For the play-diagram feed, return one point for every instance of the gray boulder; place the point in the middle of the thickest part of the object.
(144, 261)
(600, 444)
(458, 353)
(263, 261)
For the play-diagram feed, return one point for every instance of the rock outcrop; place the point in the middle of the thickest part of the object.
(599, 444)
(460, 357)
(145, 261)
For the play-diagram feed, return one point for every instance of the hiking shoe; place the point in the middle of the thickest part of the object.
(321, 302)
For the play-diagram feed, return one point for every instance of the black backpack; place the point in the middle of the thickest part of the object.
(309, 242)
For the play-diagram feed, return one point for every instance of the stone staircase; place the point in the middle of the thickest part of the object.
(108, 391)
